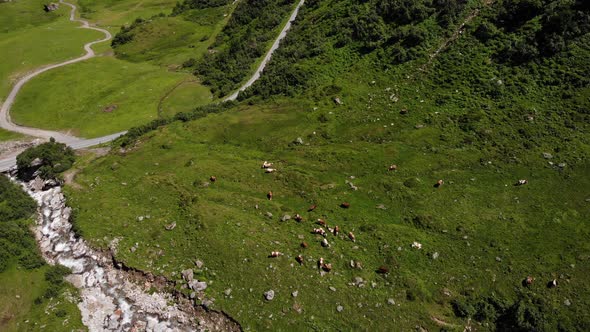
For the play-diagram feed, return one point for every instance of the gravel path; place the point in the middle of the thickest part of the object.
(268, 55)
(75, 142)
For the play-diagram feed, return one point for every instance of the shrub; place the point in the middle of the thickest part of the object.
(49, 159)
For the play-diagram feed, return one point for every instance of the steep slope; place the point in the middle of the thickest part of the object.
(353, 90)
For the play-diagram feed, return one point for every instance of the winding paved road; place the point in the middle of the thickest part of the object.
(268, 55)
(79, 143)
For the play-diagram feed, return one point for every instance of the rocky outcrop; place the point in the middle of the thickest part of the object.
(112, 297)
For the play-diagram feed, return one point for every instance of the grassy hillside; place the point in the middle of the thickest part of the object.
(119, 95)
(8, 135)
(145, 80)
(30, 38)
(356, 88)
(33, 296)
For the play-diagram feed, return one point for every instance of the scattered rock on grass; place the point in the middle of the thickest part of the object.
(187, 275)
(339, 308)
(199, 264)
(269, 295)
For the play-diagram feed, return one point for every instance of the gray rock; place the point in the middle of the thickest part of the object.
(268, 214)
(567, 302)
(295, 293)
(187, 274)
(48, 184)
(269, 295)
(36, 184)
(333, 289)
(547, 155)
(227, 292)
(286, 217)
(390, 301)
(339, 308)
(337, 101)
(561, 165)
(171, 226)
(498, 259)
(197, 285)
(199, 264)
(113, 322)
(435, 255)
(299, 141)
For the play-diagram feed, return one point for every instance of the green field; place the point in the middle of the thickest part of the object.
(30, 38)
(476, 216)
(18, 291)
(141, 82)
(477, 117)
(112, 14)
(8, 135)
(170, 41)
(76, 98)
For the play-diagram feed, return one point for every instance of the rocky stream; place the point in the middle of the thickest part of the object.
(113, 297)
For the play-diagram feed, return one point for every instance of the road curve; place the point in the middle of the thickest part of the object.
(80, 143)
(74, 142)
(268, 55)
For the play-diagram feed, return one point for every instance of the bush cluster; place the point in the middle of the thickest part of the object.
(17, 244)
(47, 159)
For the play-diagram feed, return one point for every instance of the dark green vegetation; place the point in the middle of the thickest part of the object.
(31, 293)
(478, 115)
(247, 36)
(48, 159)
(16, 243)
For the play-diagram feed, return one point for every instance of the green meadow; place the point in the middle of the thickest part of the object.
(23, 309)
(30, 38)
(6, 135)
(97, 97)
(333, 111)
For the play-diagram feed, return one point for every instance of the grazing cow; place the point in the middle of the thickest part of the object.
(327, 267)
(382, 269)
(320, 262)
(266, 164)
(345, 205)
(269, 170)
(320, 231)
(325, 243)
(521, 183)
(299, 259)
(336, 230)
(416, 245)
(298, 217)
(552, 283)
(321, 222)
(269, 195)
(275, 254)
(304, 245)
(439, 183)
(311, 208)
(351, 236)
(393, 167)
(528, 281)
(213, 178)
